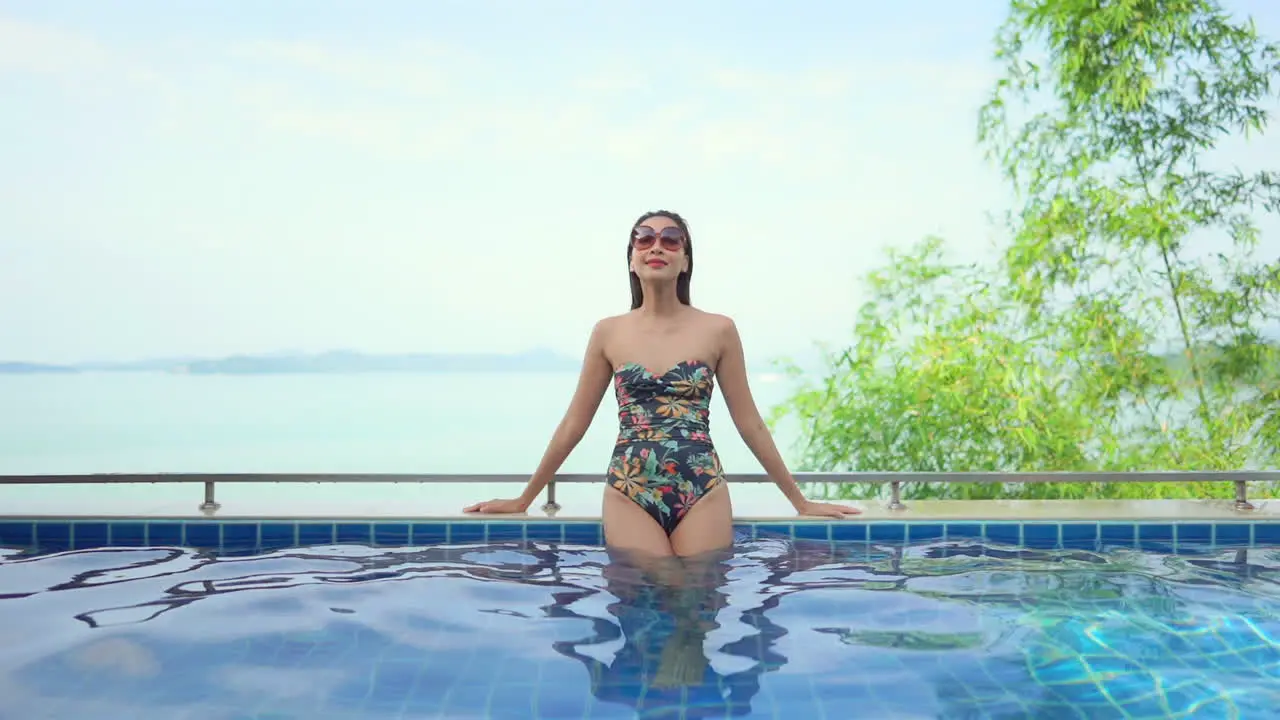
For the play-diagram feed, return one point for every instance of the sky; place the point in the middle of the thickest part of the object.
(460, 175)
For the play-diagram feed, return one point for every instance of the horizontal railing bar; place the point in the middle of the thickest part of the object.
(829, 478)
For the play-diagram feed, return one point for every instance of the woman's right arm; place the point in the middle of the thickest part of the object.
(593, 381)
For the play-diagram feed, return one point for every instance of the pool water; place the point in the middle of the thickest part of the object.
(779, 629)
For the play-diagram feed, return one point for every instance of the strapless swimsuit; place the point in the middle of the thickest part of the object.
(663, 459)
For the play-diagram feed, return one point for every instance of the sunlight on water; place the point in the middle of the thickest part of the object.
(777, 629)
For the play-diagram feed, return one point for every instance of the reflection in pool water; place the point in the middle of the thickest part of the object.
(774, 629)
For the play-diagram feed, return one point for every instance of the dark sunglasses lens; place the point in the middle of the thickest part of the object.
(644, 238)
(672, 238)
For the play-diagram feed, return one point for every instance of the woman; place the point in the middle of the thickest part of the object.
(668, 494)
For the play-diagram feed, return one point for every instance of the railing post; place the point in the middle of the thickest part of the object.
(895, 502)
(1242, 496)
(551, 506)
(209, 505)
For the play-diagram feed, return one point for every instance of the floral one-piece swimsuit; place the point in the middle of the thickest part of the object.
(663, 459)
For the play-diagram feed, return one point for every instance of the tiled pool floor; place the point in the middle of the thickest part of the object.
(781, 630)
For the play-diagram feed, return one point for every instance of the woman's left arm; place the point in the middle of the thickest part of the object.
(731, 373)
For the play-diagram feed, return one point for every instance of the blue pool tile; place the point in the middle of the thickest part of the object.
(430, 533)
(278, 536)
(1194, 534)
(849, 532)
(887, 532)
(561, 700)
(354, 533)
(463, 533)
(774, 530)
(393, 681)
(582, 533)
(17, 534)
(512, 702)
(128, 534)
(203, 535)
(56, 536)
(1116, 533)
(1080, 535)
(1001, 533)
(964, 531)
(164, 534)
(348, 696)
(1156, 538)
(425, 700)
(1232, 534)
(1266, 534)
(504, 531)
(813, 531)
(243, 536)
(1162, 532)
(925, 532)
(391, 534)
(469, 701)
(231, 551)
(87, 535)
(313, 533)
(847, 707)
(1041, 536)
(545, 532)
(240, 537)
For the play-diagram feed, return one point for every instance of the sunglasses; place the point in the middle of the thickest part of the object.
(672, 238)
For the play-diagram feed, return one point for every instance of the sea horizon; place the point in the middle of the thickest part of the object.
(449, 422)
(345, 361)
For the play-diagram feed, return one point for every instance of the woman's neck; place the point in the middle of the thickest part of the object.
(661, 302)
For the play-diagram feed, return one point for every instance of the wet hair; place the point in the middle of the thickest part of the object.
(682, 282)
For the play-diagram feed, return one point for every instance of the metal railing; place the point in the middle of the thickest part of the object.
(894, 479)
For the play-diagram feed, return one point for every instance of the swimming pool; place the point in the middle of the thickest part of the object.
(902, 623)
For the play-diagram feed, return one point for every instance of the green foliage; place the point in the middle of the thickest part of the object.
(1124, 239)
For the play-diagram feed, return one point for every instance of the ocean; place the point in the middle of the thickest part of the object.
(359, 423)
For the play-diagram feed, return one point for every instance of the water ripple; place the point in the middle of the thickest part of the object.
(956, 630)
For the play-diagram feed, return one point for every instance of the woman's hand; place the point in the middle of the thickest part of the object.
(498, 506)
(810, 507)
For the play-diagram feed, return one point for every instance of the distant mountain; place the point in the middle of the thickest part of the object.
(351, 361)
(341, 361)
(21, 368)
(354, 362)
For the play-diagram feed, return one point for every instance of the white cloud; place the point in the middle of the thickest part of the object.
(313, 195)
(701, 111)
(76, 62)
(419, 74)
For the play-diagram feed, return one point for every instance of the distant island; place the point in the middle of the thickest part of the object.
(21, 368)
(336, 362)
(333, 362)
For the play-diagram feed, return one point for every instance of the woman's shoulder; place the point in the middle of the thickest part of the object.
(612, 321)
(607, 326)
(712, 320)
(715, 321)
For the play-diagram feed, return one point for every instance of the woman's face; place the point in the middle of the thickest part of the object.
(658, 249)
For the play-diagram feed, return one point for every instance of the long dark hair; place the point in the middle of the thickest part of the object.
(682, 282)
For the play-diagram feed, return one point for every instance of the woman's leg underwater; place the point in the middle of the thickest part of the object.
(707, 526)
(628, 527)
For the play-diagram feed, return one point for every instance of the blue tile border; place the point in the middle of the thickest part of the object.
(239, 536)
